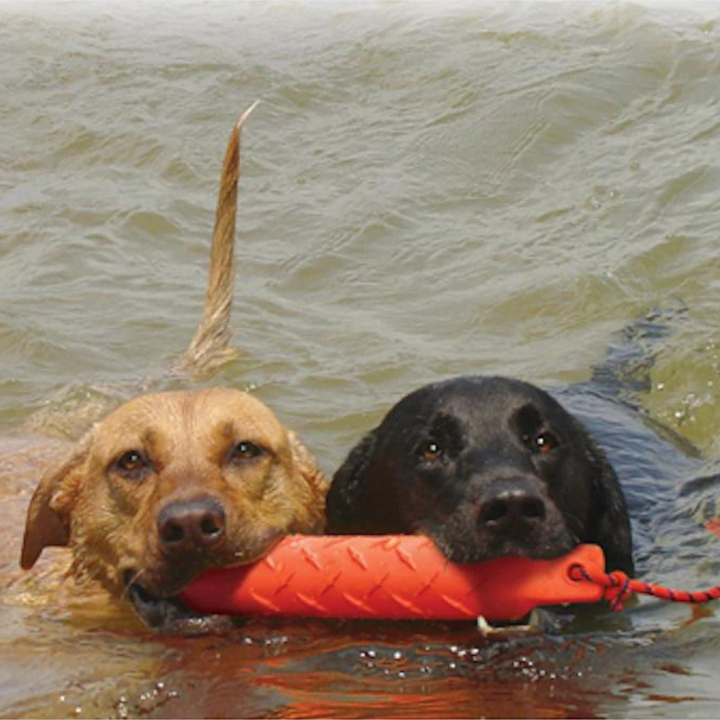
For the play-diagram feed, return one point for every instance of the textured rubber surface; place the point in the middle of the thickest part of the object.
(391, 577)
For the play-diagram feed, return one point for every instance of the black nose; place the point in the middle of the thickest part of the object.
(509, 506)
(189, 525)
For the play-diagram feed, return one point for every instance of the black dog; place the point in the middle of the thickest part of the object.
(486, 467)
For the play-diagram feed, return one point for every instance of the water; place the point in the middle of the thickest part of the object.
(429, 189)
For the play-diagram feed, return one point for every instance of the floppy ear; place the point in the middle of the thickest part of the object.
(347, 488)
(612, 531)
(311, 473)
(48, 516)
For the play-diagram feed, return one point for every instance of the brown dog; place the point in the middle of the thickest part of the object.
(169, 484)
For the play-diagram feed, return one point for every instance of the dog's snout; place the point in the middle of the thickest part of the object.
(191, 524)
(511, 506)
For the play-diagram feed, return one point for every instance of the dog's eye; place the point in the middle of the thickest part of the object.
(132, 462)
(542, 443)
(545, 442)
(431, 450)
(245, 450)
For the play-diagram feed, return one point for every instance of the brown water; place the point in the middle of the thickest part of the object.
(429, 189)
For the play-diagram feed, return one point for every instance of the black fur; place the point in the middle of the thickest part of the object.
(486, 467)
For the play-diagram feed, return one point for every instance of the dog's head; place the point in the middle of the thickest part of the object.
(487, 467)
(170, 484)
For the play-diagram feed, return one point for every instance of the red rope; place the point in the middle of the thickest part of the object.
(619, 587)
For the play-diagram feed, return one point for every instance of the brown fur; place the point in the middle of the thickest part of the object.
(111, 520)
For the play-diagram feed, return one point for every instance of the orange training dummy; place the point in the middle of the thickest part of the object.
(401, 577)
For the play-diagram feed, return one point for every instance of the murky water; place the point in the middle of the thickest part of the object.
(429, 189)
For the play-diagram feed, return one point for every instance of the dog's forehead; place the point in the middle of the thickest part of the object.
(238, 413)
(474, 399)
(224, 413)
(493, 398)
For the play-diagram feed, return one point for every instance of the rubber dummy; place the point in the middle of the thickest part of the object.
(390, 577)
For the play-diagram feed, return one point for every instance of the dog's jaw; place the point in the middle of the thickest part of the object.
(154, 611)
(170, 616)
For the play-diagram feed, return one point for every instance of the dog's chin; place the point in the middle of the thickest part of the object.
(157, 603)
(170, 615)
(156, 611)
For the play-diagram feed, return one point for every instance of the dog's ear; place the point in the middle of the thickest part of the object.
(612, 529)
(311, 473)
(48, 515)
(347, 488)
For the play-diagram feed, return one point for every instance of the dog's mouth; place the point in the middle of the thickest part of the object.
(155, 611)
(155, 593)
(162, 608)
(471, 549)
(168, 614)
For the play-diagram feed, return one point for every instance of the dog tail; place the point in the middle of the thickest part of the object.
(210, 346)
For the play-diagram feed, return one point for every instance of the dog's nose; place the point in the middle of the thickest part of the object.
(510, 505)
(189, 525)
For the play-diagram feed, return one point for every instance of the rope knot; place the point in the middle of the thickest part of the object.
(617, 586)
(617, 589)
